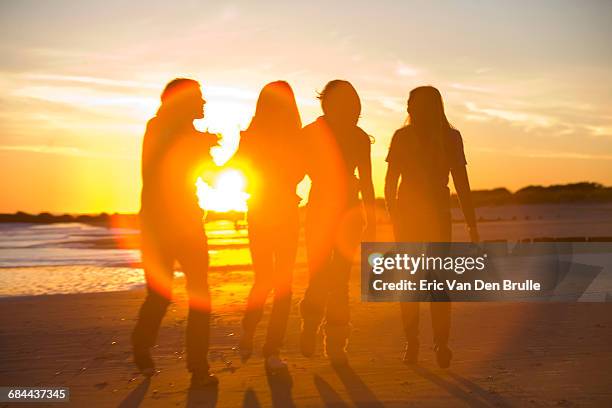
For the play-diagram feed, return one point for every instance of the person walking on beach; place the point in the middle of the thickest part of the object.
(422, 154)
(270, 154)
(172, 226)
(335, 148)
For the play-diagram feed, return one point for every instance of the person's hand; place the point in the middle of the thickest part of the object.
(474, 237)
(212, 139)
(369, 233)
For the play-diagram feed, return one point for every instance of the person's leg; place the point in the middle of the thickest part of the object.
(319, 246)
(192, 253)
(286, 243)
(312, 308)
(410, 321)
(262, 257)
(441, 306)
(407, 228)
(158, 267)
(440, 321)
(337, 318)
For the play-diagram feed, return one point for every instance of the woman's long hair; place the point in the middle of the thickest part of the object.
(176, 95)
(340, 103)
(276, 112)
(427, 118)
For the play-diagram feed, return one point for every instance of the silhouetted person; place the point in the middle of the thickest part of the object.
(423, 153)
(335, 147)
(172, 227)
(270, 154)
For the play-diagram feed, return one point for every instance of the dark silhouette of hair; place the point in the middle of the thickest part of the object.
(276, 112)
(427, 117)
(340, 102)
(426, 108)
(178, 97)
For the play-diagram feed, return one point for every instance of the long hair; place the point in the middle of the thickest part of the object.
(340, 102)
(428, 119)
(174, 97)
(276, 112)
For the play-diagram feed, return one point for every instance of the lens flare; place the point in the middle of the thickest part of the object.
(226, 194)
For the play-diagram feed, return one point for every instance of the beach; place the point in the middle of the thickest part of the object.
(505, 354)
(431, 151)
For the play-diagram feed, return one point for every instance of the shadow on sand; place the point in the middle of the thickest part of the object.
(492, 399)
(280, 384)
(476, 396)
(331, 399)
(250, 399)
(135, 397)
(357, 390)
(205, 398)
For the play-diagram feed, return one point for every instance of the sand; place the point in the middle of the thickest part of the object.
(505, 354)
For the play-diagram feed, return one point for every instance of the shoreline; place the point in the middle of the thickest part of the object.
(536, 355)
(505, 354)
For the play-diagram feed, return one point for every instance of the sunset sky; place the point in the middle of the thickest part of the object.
(528, 84)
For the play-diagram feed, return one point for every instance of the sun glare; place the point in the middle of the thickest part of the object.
(226, 194)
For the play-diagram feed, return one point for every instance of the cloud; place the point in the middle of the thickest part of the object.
(471, 88)
(512, 116)
(600, 130)
(483, 70)
(60, 150)
(393, 104)
(64, 150)
(568, 155)
(406, 70)
(544, 155)
(90, 80)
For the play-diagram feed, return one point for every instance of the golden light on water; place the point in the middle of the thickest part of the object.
(226, 193)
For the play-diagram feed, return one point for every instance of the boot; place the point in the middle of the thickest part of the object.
(336, 340)
(308, 337)
(144, 361)
(202, 380)
(411, 352)
(444, 355)
(274, 364)
(142, 357)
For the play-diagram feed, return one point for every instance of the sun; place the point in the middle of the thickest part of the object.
(226, 194)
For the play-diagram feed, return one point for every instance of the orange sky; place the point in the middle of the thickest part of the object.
(528, 85)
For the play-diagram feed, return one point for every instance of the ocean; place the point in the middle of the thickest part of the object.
(37, 259)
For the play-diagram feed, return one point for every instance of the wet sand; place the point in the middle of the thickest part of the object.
(505, 354)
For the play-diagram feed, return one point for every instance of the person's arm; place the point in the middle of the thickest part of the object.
(149, 150)
(299, 154)
(393, 175)
(391, 181)
(366, 186)
(208, 141)
(240, 155)
(464, 193)
(462, 184)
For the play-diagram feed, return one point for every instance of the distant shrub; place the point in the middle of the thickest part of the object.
(558, 193)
